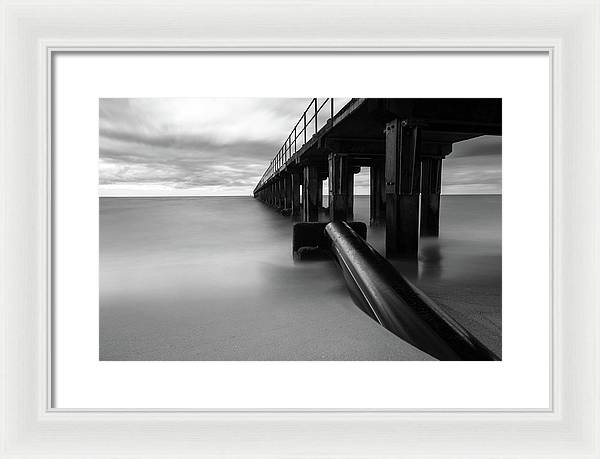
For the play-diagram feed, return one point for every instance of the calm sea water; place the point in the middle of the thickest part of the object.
(212, 278)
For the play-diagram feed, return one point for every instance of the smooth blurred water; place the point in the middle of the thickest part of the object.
(212, 278)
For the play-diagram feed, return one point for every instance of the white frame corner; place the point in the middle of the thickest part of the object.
(31, 31)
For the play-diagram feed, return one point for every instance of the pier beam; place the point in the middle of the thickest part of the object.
(377, 193)
(431, 185)
(310, 210)
(295, 181)
(341, 185)
(402, 177)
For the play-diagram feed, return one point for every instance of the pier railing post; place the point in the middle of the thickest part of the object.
(402, 177)
(431, 184)
(377, 193)
(316, 114)
(341, 183)
(310, 211)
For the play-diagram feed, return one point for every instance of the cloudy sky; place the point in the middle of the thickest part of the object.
(221, 147)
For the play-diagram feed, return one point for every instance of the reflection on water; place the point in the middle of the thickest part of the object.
(212, 278)
(470, 243)
(430, 256)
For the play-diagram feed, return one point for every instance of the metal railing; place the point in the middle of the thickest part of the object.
(307, 126)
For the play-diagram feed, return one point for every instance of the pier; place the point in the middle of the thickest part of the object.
(404, 143)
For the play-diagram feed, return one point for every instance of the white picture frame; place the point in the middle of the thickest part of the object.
(569, 30)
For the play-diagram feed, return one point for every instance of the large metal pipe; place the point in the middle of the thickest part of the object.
(396, 304)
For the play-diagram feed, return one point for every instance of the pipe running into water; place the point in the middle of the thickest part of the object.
(387, 297)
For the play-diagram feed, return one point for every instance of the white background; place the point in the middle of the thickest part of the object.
(521, 380)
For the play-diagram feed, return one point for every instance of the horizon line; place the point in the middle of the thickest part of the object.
(251, 196)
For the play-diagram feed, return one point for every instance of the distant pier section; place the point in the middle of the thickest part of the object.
(402, 141)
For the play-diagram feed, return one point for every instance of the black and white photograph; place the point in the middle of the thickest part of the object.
(299, 229)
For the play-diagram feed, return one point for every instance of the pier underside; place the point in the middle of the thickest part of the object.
(402, 141)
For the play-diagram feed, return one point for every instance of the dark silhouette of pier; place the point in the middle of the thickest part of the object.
(402, 141)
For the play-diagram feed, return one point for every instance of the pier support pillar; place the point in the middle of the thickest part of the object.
(320, 194)
(287, 191)
(310, 210)
(341, 185)
(354, 170)
(377, 193)
(281, 187)
(295, 197)
(280, 194)
(272, 192)
(431, 185)
(402, 177)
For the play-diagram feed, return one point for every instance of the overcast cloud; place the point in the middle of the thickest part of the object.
(222, 146)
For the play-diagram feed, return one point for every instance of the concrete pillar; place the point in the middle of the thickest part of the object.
(284, 195)
(377, 193)
(295, 183)
(353, 172)
(341, 185)
(310, 211)
(287, 191)
(402, 180)
(279, 188)
(431, 185)
(320, 194)
(282, 192)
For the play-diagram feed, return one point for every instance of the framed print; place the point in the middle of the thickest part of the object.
(246, 230)
(295, 348)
